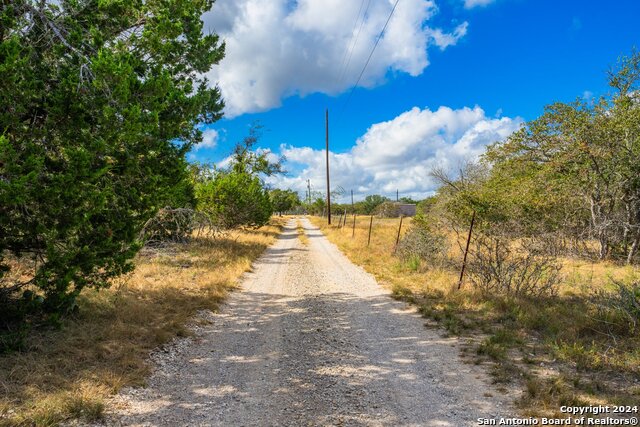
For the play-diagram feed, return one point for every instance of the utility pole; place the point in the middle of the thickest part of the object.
(397, 195)
(328, 185)
(309, 191)
(352, 200)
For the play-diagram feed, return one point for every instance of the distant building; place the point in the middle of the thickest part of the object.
(406, 209)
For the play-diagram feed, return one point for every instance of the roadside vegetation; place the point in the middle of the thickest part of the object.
(110, 240)
(551, 293)
(560, 349)
(69, 372)
(301, 234)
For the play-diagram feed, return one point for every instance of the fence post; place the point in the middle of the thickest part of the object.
(344, 220)
(353, 230)
(466, 250)
(370, 224)
(398, 236)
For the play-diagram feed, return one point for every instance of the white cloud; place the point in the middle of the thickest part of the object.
(399, 154)
(469, 4)
(444, 40)
(281, 48)
(210, 139)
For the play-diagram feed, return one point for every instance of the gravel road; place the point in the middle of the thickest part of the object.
(311, 340)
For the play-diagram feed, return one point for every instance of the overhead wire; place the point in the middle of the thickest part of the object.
(346, 48)
(369, 58)
(355, 42)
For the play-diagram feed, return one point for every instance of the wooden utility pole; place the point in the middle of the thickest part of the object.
(397, 195)
(466, 250)
(328, 185)
(309, 191)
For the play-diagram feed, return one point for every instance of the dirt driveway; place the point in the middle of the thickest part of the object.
(311, 339)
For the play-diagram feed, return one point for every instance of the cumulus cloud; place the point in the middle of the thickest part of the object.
(210, 139)
(281, 48)
(400, 153)
(470, 4)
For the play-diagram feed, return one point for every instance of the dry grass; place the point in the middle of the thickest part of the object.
(68, 373)
(557, 346)
(301, 234)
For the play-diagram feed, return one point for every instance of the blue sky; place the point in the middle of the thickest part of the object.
(448, 78)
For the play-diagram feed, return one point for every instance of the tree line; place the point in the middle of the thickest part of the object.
(571, 175)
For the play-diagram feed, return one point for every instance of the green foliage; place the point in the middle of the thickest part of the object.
(578, 166)
(236, 196)
(387, 209)
(371, 202)
(100, 101)
(246, 159)
(234, 199)
(284, 200)
(573, 173)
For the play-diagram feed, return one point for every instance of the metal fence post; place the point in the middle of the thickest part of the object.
(466, 250)
(398, 236)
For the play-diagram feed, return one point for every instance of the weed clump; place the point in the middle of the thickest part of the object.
(498, 267)
(421, 244)
(620, 309)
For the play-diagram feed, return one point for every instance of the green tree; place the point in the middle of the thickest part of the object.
(235, 199)
(237, 196)
(99, 105)
(371, 202)
(586, 156)
(284, 200)
(247, 159)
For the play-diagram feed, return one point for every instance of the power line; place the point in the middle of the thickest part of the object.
(355, 42)
(370, 55)
(346, 49)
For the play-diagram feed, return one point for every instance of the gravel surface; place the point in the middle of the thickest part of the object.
(310, 340)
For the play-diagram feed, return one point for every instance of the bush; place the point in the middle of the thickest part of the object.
(176, 226)
(423, 244)
(499, 266)
(234, 199)
(621, 307)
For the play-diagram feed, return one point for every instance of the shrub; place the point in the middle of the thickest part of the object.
(499, 266)
(176, 226)
(621, 307)
(234, 199)
(284, 200)
(421, 243)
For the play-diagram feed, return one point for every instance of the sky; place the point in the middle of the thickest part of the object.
(446, 78)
